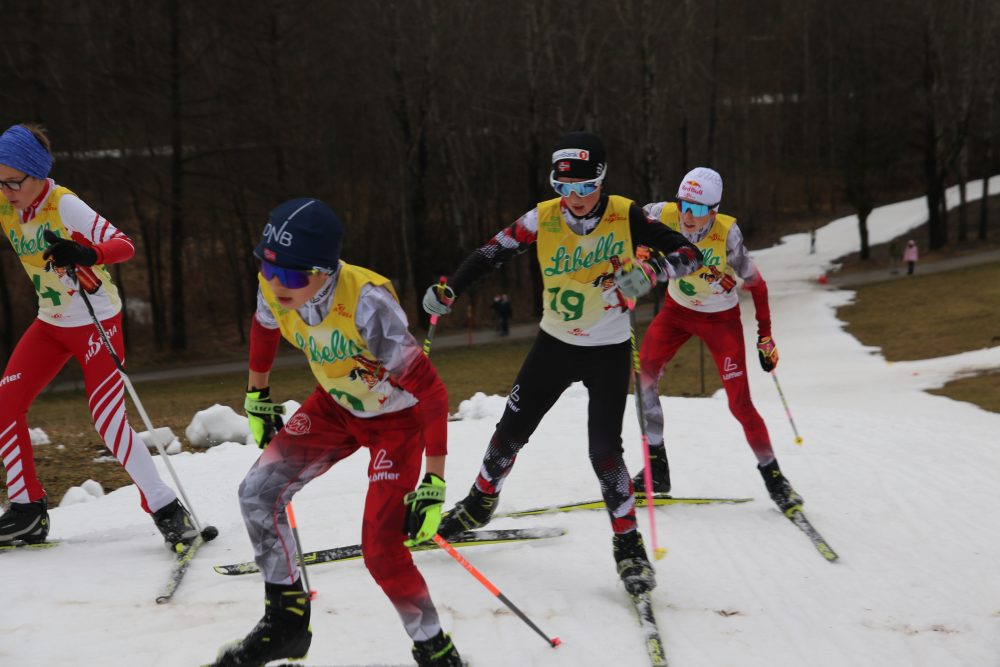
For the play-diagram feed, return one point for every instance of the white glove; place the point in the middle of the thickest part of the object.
(635, 279)
(438, 305)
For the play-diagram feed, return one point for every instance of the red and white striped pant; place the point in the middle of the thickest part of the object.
(39, 355)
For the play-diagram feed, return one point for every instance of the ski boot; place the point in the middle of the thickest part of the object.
(282, 634)
(782, 493)
(633, 566)
(438, 651)
(28, 522)
(660, 468)
(473, 511)
(175, 525)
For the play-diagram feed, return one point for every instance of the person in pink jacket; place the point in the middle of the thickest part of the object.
(910, 256)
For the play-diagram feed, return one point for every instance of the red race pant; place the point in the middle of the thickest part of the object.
(39, 355)
(722, 333)
(316, 437)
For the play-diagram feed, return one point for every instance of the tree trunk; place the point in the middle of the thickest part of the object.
(178, 324)
(649, 167)
(937, 229)
(713, 85)
(154, 276)
(987, 168)
(866, 252)
(963, 230)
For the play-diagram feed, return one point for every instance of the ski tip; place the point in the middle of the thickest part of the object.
(798, 440)
(659, 553)
(555, 641)
(313, 593)
(209, 533)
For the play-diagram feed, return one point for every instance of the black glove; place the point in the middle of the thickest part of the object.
(63, 252)
(684, 256)
(263, 415)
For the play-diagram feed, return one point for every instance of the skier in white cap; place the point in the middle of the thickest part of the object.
(705, 304)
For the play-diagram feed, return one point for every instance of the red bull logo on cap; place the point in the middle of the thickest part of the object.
(694, 187)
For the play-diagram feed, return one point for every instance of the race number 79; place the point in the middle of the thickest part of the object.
(570, 301)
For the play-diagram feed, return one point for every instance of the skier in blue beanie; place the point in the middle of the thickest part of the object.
(377, 391)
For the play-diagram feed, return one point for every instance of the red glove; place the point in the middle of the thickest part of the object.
(767, 353)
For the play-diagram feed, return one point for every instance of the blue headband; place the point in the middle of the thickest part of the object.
(19, 149)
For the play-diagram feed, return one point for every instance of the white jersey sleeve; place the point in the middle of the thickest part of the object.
(78, 217)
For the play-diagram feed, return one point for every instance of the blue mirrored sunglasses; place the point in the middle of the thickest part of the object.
(697, 210)
(582, 188)
(290, 278)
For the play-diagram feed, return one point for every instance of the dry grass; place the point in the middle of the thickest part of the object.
(926, 316)
(936, 315)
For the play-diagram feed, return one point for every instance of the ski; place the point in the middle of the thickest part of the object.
(640, 501)
(643, 603)
(36, 546)
(466, 539)
(796, 516)
(179, 569)
(465, 663)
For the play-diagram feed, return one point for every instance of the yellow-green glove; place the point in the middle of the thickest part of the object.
(264, 416)
(423, 510)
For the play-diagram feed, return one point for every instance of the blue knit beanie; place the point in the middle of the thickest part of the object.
(302, 234)
(19, 149)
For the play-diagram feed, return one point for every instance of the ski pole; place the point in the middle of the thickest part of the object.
(434, 320)
(209, 532)
(298, 547)
(647, 473)
(443, 543)
(798, 438)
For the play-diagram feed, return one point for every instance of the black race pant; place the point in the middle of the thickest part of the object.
(548, 370)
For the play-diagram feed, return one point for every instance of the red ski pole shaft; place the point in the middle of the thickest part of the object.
(647, 476)
(443, 543)
(434, 320)
(298, 547)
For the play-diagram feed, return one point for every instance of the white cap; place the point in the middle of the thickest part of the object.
(701, 186)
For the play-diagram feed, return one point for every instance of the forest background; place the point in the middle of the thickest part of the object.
(428, 125)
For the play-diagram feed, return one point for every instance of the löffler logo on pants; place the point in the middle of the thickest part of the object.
(383, 464)
(731, 369)
(513, 398)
